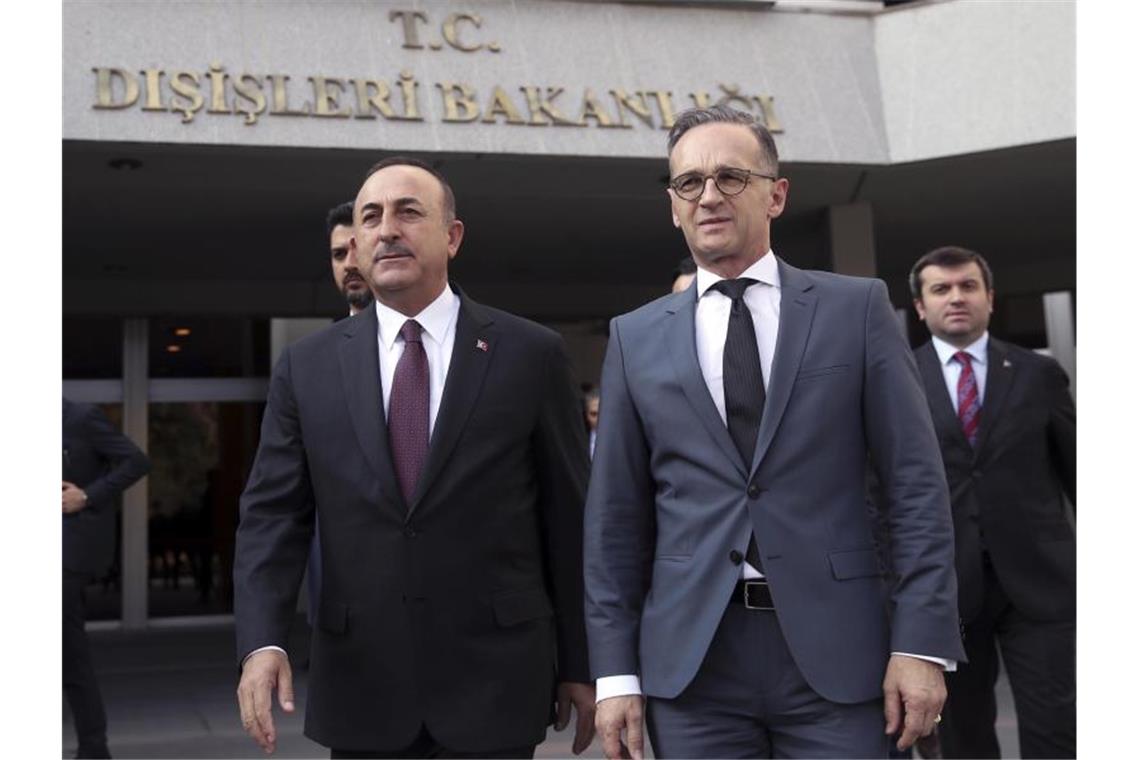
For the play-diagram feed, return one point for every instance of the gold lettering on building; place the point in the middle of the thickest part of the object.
(218, 89)
(408, 20)
(252, 97)
(153, 79)
(185, 84)
(451, 34)
(458, 102)
(281, 98)
(372, 94)
(248, 87)
(327, 103)
(105, 90)
(501, 104)
(634, 103)
(543, 110)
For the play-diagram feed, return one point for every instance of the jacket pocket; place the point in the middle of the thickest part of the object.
(514, 607)
(332, 616)
(859, 563)
(810, 374)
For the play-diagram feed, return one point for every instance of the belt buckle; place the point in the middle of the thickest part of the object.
(749, 585)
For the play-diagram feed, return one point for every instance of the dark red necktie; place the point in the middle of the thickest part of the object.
(969, 405)
(408, 407)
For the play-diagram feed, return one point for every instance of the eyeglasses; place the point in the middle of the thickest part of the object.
(729, 181)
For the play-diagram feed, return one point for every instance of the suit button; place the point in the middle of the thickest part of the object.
(409, 531)
(735, 556)
(976, 474)
(753, 491)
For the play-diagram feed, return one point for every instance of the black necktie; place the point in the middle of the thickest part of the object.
(743, 382)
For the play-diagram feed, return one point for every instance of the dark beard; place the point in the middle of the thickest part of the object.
(358, 299)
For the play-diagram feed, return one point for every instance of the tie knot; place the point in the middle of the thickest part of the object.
(962, 358)
(734, 289)
(410, 332)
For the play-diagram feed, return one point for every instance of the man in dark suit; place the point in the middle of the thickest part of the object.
(740, 413)
(99, 463)
(439, 444)
(1008, 431)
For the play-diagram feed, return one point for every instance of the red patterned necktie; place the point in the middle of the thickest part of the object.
(408, 410)
(969, 405)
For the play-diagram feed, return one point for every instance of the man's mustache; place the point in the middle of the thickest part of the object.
(389, 249)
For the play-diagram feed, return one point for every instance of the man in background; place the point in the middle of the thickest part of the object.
(684, 273)
(345, 273)
(591, 402)
(1007, 427)
(99, 463)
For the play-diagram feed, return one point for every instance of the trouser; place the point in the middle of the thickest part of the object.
(79, 684)
(424, 745)
(750, 700)
(1040, 658)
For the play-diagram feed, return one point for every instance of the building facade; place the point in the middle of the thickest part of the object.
(204, 142)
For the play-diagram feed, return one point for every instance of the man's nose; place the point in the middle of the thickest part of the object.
(389, 229)
(711, 194)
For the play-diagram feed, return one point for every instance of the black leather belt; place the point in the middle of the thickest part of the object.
(753, 594)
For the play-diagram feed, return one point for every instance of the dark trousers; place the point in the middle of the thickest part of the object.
(79, 684)
(750, 700)
(425, 745)
(1040, 658)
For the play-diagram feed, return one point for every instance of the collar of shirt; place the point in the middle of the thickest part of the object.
(976, 350)
(763, 270)
(436, 320)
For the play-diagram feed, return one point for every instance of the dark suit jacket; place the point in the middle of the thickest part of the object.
(455, 610)
(843, 387)
(1006, 493)
(103, 462)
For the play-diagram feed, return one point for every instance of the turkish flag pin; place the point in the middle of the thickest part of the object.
(481, 344)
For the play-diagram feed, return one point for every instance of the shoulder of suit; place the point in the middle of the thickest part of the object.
(836, 281)
(328, 335)
(655, 308)
(1026, 357)
(519, 326)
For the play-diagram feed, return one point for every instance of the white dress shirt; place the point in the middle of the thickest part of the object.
(763, 302)
(713, 308)
(438, 323)
(952, 368)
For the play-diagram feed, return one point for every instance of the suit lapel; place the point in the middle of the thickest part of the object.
(797, 309)
(682, 341)
(938, 398)
(475, 342)
(360, 380)
(999, 377)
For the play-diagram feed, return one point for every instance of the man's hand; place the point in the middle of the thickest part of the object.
(582, 696)
(74, 498)
(917, 689)
(261, 673)
(615, 715)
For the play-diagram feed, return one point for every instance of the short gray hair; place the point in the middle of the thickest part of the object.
(695, 117)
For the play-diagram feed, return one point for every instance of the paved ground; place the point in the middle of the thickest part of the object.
(170, 694)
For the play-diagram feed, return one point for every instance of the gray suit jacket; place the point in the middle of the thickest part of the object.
(844, 387)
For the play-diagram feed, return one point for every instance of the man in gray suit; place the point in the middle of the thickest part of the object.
(739, 415)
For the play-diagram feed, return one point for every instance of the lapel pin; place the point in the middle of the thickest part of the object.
(481, 345)
(1006, 363)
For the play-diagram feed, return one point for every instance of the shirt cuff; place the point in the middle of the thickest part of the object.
(262, 649)
(617, 686)
(947, 665)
